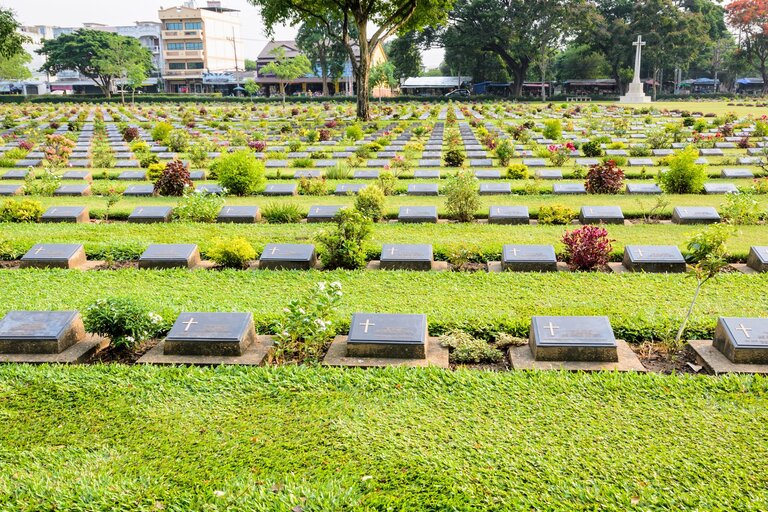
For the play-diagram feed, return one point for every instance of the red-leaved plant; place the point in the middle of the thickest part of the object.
(174, 180)
(587, 248)
(605, 178)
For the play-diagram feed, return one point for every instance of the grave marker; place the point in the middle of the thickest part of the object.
(572, 338)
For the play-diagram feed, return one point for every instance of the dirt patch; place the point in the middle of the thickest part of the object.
(10, 264)
(117, 265)
(469, 267)
(657, 358)
(122, 355)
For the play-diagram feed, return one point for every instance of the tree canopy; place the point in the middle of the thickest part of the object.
(11, 40)
(15, 68)
(324, 49)
(404, 54)
(100, 56)
(286, 69)
(751, 18)
(383, 18)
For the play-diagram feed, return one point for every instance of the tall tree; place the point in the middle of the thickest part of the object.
(135, 78)
(383, 75)
(382, 17)
(11, 40)
(89, 52)
(324, 49)
(15, 68)
(250, 65)
(519, 32)
(750, 17)
(287, 69)
(403, 52)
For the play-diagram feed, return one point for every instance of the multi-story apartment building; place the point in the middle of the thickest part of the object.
(199, 40)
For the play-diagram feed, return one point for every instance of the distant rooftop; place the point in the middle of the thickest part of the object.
(436, 82)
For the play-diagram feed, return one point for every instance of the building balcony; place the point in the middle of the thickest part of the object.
(183, 34)
(184, 54)
(180, 74)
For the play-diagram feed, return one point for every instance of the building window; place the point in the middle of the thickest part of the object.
(194, 46)
(175, 46)
(173, 26)
(193, 25)
(176, 65)
(194, 65)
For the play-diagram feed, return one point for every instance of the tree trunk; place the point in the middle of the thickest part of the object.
(282, 92)
(325, 84)
(764, 74)
(519, 73)
(688, 315)
(363, 74)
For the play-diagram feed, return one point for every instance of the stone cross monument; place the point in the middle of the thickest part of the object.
(636, 93)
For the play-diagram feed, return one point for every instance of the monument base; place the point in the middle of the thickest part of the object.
(636, 94)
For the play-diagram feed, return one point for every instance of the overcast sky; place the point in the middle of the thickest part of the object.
(68, 13)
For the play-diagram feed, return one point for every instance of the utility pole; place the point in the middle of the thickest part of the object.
(234, 47)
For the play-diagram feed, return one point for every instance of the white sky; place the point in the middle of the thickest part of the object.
(68, 13)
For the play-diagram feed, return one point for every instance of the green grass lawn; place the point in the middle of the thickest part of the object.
(315, 439)
(640, 306)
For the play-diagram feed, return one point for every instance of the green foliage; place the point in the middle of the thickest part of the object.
(370, 202)
(235, 252)
(177, 140)
(709, 243)
(517, 172)
(684, 175)
(25, 210)
(313, 186)
(741, 208)
(305, 326)
(387, 182)
(286, 69)
(124, 320)
(505, 150)
(198, 206)
(354, 132)
(282, 213)
(11, 38)
(161, 131)
(553, 129)
(343, 247)
(462, 197)
(556, 214)
(44, 184)
(466, 349)
(382, 75)
(340, 171)
(154, 171)
(454, 157)
(592, 149)
(241, 172)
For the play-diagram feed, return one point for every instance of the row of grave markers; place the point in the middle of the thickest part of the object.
(515, 257)
(374, 339)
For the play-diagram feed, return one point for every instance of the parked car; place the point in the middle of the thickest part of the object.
(458, 93)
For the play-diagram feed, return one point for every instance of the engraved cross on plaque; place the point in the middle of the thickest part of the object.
(743, 329)
(274, 250)
(189, 324)
(39, 250)
(514, 251)
(367, 324)
(551, 328)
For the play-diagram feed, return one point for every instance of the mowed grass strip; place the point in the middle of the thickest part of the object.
(126, 240)
(316, 439)
(640, 306)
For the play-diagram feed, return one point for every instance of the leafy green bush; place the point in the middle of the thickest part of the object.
(741, 208)
(556, 214)
(340, 171)
(505, 150)
(302, 163)
(343, 247)
(639, 150)
(592, 149)
(387, 182)
(282, 213)
(305, 326)
(232, 252)
(684, 175)
(43, 185)
(241, 172)
(517, 172)
(370, 202)
(709, 243)
(124, 320)
(313, 186)
(178, 140)
(154, 171)
(465, 348)
(198, 206)
(354, 132)
(553, 129)
(161, 131)
(462, 197)
(24, 210)
(454, 158)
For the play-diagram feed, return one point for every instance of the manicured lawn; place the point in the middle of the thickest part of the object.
(314, 439)
(640, 306)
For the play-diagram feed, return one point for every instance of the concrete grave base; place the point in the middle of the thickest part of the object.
(77, 353)
(521, 358)
(743, 268)
(256, 265)
(253, 355)
(337, 356)
(437, 266)
(495, 266)
(715, 361)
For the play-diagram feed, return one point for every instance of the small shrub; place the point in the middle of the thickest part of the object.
(305, 327)
(556, 214)
(592, 149)
(505, 150)
(370, 202)
(517, 172)
(313, 186)
(124, 320)
(174, 180)
(241, 172)
(161, 131)
(553, 129)
(709, 243)
(639, 150)
(282, 213)
(340, 171)
(462, 198)
(387, 182)
(130, 134)
(343, 247)
(606, 178)
(354, 132)
(302, 163)
(231, 253)
(587, 248)
(24, 210)
(198, 155)
(466, 349)
(154, 171)
(197, 206)
(178, 140)
(454, 158)
(44, 185)
(741, 208)
(684, 175)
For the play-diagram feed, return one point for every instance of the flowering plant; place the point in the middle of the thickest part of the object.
(124, 320)
(305, 326)
(560, 153)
